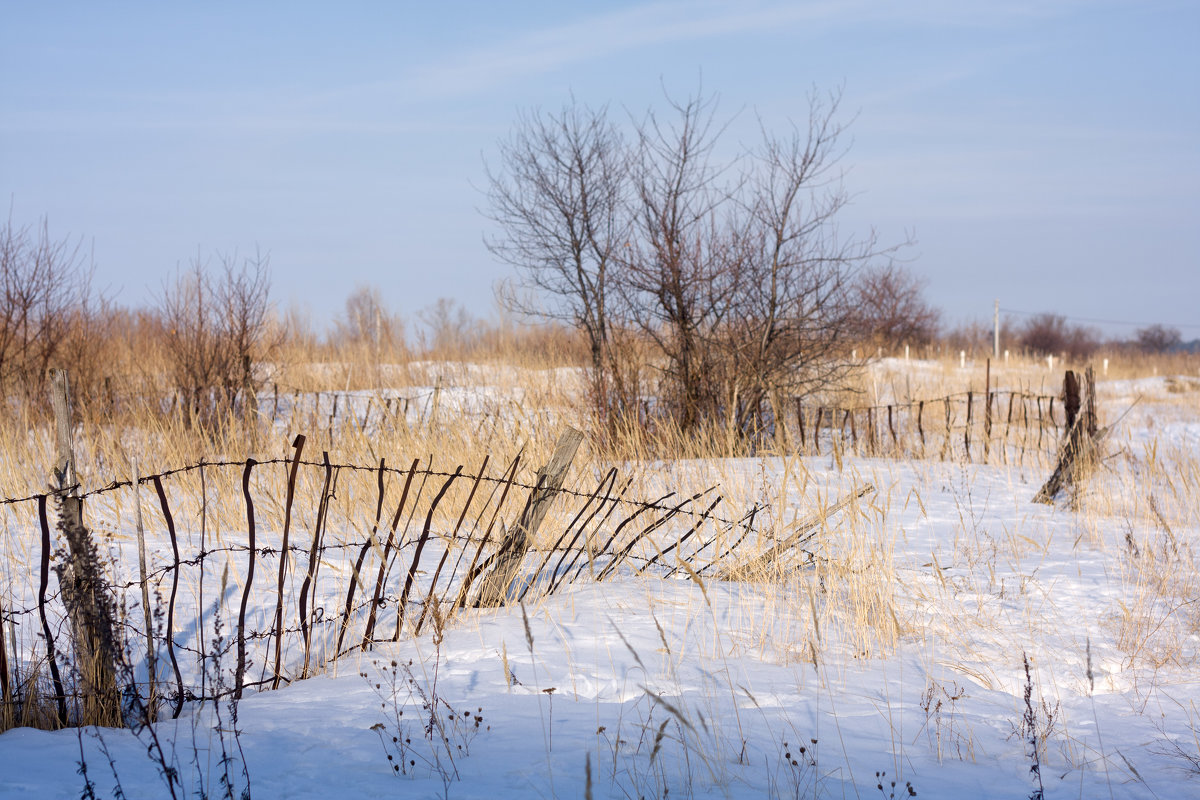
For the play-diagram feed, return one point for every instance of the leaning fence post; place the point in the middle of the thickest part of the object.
(497, 585)
(298, 445)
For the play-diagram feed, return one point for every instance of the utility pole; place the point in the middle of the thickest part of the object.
(996, 331)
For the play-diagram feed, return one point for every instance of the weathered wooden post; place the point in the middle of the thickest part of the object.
(987, 410)
(85, 592)
(1081, 437)
(498, 583)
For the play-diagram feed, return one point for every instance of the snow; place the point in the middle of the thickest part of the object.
(902, 655)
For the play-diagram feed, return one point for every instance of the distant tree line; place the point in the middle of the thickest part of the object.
(1050, 334)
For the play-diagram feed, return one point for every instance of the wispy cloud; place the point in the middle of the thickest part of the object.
(542, 50)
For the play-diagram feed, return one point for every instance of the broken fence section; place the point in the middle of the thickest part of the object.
(332, 558)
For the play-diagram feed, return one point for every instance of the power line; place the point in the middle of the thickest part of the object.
(1193, 326)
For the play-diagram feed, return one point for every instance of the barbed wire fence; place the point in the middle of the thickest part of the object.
(1007, 426)
(326, 572)
(303, 561)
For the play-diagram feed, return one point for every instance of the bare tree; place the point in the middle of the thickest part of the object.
(243, 297)
(215, 330)
(1157, 338)
(448, 329)
(44, 283)
(1050, 334)
(680, 272)
(560, 200)
(730, 272)
(366, 321)
(891, 308)
(793, 317)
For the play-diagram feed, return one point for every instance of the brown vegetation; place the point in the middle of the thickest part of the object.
(715, 286)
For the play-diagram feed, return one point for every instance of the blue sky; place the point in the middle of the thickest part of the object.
(1043, 153)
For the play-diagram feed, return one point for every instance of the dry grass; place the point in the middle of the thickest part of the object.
(851, 600)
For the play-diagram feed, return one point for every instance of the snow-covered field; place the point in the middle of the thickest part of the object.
(953, 640)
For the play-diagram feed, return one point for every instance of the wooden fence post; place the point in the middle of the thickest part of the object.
(85, 592)
(1077, 452)
(148, 614)
(1024, 428)
(1089, 379)
(987, 410)
(800, 422)
(1040, 421)
(498, 584)
(170, 521)
(1071, 397)
(920, 427)
(946, 440)
(892, 430)
(298, 446)
(60, 696)
(967, 427)
(239, 677)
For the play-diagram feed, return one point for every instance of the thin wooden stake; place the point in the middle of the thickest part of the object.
(800, 424)
(298, 445)
(416, 559)
(967, 428)
(377, 599)
(43, 584)
(239, 678)
(920, 427)
(372, 541)
(166, 510)
(151, 664)
(892, 431)
(429, 598)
